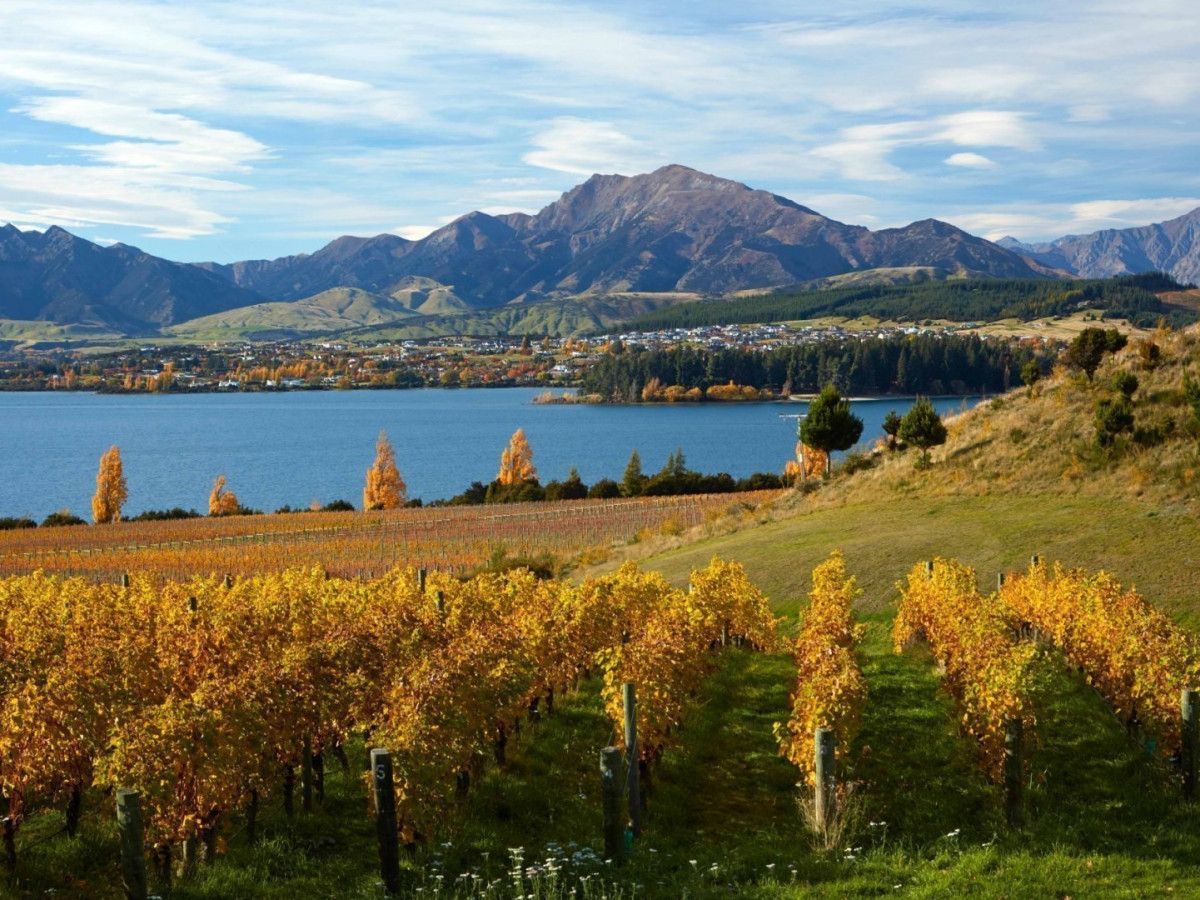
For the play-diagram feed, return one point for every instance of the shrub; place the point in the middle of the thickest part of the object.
(338, 506)
(856, 462)
(62, 517)
(760, 481)
(1114, 415)
(1149, 353)
(604, 489)
(165, 515)
(1125, 383)
(1031, 372)
(1153, 433)
(572, 488)
(1017, 435)
(9, 523)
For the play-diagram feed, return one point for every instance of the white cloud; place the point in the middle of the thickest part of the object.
(970, 161)
(862, 154)
(584, 147)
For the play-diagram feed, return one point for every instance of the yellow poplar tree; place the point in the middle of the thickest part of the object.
(516, 462)
(222, 502)
(111, 490)
(385, 489)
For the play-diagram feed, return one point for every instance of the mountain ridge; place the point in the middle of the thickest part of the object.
(674, 230)
(1172, 246)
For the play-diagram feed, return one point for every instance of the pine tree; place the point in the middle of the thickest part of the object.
(891, 427)
(516, 462)
(633, 482)
(385, 488)
(923, 427)
(111, 490)
(830, 425)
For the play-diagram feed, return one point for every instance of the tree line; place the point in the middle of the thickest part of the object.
(1132, 297)
(896, 364)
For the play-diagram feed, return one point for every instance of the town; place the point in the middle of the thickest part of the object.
(509, 361)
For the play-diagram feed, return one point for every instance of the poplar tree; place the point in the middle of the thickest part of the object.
(111, 490)
(222, 502)
(516, 462)
(385, 488)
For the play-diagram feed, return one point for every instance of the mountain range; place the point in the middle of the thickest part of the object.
(1172, 247)
(671, 234)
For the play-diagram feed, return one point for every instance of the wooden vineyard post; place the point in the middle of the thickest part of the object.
(306, 775)
(929, 567)
(385, 819)
(1189, 707)
(421, 573)
(1035, 560)
(133, 860)
(999, 580)
(825, 798)
(1013, 773)
(610, 791)
(124, 579)
(629, 696)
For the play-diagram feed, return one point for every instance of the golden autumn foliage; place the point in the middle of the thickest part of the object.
(987, 671)
(670, 635)
(385, 489)
(516, 462)
(200, 695)
(814, 462)
(1131, 653)
(111, 490)
(222, 502)
(830, 690)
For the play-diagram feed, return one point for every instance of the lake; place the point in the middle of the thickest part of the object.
(291, 448)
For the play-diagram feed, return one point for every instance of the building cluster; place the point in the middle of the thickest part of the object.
(502, 361)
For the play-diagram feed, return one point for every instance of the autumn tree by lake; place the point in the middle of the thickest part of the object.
(516, 462)
(111, 489)
(222, 502)
(385, 488)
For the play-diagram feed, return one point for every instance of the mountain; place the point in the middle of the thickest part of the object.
(54, 276)
(674, 229)
(1172, 247)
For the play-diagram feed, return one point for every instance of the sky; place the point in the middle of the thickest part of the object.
(214, 130)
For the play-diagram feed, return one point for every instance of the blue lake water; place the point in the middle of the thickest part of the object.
(291, 448)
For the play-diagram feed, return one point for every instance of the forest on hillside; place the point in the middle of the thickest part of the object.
(1131, 297)
(900, 364)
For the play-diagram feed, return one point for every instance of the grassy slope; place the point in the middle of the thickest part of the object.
(1103, 819)
(329, 312)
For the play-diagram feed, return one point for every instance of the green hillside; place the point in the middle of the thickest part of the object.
(1134, 298)
(329, 312)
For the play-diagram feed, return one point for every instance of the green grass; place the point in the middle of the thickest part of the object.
(1104, 818)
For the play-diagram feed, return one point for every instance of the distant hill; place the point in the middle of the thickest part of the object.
(1141, 299)
(1172, 247)
(330, 312)
(54, 276)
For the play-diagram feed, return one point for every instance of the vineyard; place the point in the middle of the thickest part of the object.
(455, 539)
(209, 703)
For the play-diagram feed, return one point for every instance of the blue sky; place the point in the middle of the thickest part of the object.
(234, 130)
